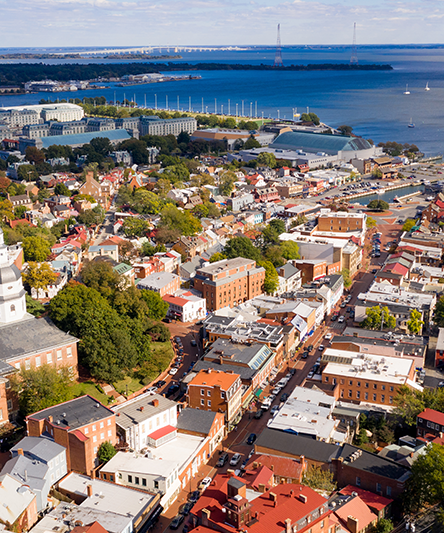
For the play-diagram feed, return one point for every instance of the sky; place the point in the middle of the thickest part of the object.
(64, 23)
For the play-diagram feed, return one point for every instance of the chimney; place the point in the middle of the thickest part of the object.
(273, 498)
(352, 524)
(288, 525)
(155, 403)
(255, 465)
(89, 491)
(261, 487)
(20, 451)
(50, 419)
(205, 517)
(303, 498)
(230, 472)
(272, 468)
(142, 407)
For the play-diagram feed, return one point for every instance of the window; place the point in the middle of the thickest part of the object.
(109, 421)
(374, 397)
(110, 433)
(143, 482)
(130, 479)
(382, 387)
(94, 427)
(101, 425)
(342, 393)
(420, 420)
(38, 361)
(349, 393)
(366, 396)
(69, 351)
(104, 476)
(382, 398)
(366, 385)
(95, 449)
(59, 355)
(378, 487)
(342, 382)
(28, 364)
(358, 383)
(209, 403)
(86, 431)
(94, 438)
(322, 524)
(156, 484)
(390, 399)
(222, 394)
(202, 402)
(388, 491)
(102, 436)
(358, 481)
(209, 393)
(9, 404)
(391, 389)
(49, 358)
(12, 308)
(358, 394)
(375, 386)
(136, 481)
(350, 382)
(202, 392)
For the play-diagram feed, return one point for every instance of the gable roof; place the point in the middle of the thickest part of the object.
(196, 420)
(432, 416)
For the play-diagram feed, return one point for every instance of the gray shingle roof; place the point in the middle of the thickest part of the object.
(75, 413)
(32, 335)
(195, 420)
(43, 449)
(129, 413)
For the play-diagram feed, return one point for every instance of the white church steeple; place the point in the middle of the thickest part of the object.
(12, 293)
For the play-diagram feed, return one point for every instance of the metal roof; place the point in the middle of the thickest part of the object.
(319, 142)
(84, 138)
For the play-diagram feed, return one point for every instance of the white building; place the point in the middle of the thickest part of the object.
(62, 112)
(138, 418)
(12, 294)
(186, 306)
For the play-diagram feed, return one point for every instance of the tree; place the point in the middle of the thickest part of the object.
(278, 225)
(107, 451)
(415, 323)
(19, 212)
(135, 227)
(39, 276)
(180, 221)
(6, 209)
(377, 317)
(345, 130)
(438, 315)
(226, 183)
(100, 276)
(378, 205)
(4, 182)
(39, 388)
(62, 189)
(92, 217)
(383, 526)
(320, 479)
(27, 173)
(157, 308)
(426, 483)
(251, 143)
(371, 222)
(34, 155)
(408, 224)
(271, 281)
(241, 247)
(345, 272)
(266, 160)
(34, 307)
(290, 250)
(35, 248)
(218, 256)
(183, 137)
(310, 117)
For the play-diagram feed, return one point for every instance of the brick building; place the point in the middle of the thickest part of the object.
(80, 425)
(161, 282)
(429, 425)
(229, 282)
(146, 268)
(363, 377)
(212, 390)
(311, 269)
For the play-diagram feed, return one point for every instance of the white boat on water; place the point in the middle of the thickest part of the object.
(406, 89)
(427, 88)
(411, 124)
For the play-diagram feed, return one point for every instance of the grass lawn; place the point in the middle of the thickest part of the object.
(133, 385)
(88, 387)
(164, 350)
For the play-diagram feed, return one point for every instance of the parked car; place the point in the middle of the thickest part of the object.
(223, 458)
(160, 383)
(304, 355)
(173, 371)
(309, 348)
(328, 336)
(334, 318)
(274, 409)
(321, 348)
(151, 390)
(172, 389)
(235, 459)
(186, 508)
(167, 320)
(258, 414)
(284, 397)
(194, 496)
(193, 343)
(205, 483)
(251, 438)
(276, 390)
(177, 520)
(341, 319)
(343, 304)
(348, 310)
(292, 371)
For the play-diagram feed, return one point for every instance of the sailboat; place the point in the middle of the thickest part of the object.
(406, 89)
(427, 88)
(411, 124)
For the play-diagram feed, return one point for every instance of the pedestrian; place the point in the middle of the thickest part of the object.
(412, 527)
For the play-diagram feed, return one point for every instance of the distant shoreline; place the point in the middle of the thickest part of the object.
(20, 73)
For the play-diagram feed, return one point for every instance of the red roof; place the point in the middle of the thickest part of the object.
(396, 268)
(95, 527)
(282, 466)
(359, 510)
(176, 300)
(80, 435)
(374, 501)
(159, 433)
(260, 476)
(14, 223)
(432, 416)
(439, 203)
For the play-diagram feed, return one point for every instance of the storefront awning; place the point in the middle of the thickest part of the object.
(258, 393)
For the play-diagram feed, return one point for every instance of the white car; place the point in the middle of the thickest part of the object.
(151, 390)
(235, 459)
(328, 336)
(276, 391)
(341, 319)
(206, 482)
(173, 371)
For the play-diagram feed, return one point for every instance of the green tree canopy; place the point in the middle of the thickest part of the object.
(107, 451)
(290, 250)
(135, 227)
(251, 143)
(226, 182)
(157, 308)
(92, 217)
(310, 117)
(371, 222)
(415, 323)
(180, 221)
(319, 479)
(39, 388)
(408, 224)
(218, 256)
(267, 160)
(378, 205)
(346, 276)
(241, 247)
(383, 526)
(100, 276)
(377, 317)
(35, 248)
(39, 276)
(271, 281)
